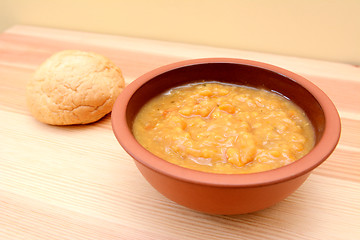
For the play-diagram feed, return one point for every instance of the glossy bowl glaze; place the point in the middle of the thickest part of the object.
(226, 193)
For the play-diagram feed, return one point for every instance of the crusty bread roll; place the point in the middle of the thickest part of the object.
(74, 87)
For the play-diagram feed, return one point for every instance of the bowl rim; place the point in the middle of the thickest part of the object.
(314, 158)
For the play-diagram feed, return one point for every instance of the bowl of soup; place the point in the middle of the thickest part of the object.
(224, 135)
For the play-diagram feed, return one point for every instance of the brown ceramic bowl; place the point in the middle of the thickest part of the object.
(226, 193)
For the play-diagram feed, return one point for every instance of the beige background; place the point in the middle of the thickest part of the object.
(319, 29)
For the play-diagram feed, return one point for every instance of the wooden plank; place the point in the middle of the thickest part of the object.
(76, 182)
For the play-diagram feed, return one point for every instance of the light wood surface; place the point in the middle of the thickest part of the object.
(78, 183)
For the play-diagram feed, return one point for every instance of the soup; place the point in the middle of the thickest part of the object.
(224, 128)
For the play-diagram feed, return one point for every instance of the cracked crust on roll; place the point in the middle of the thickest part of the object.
(74, 87)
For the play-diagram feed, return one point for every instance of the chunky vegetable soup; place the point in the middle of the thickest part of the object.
(224, 128)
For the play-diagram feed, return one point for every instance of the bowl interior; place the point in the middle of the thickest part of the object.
(244, 74)
(318, 107)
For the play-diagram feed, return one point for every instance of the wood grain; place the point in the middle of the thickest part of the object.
(77, 182)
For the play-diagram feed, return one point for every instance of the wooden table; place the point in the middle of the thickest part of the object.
(78, 183)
